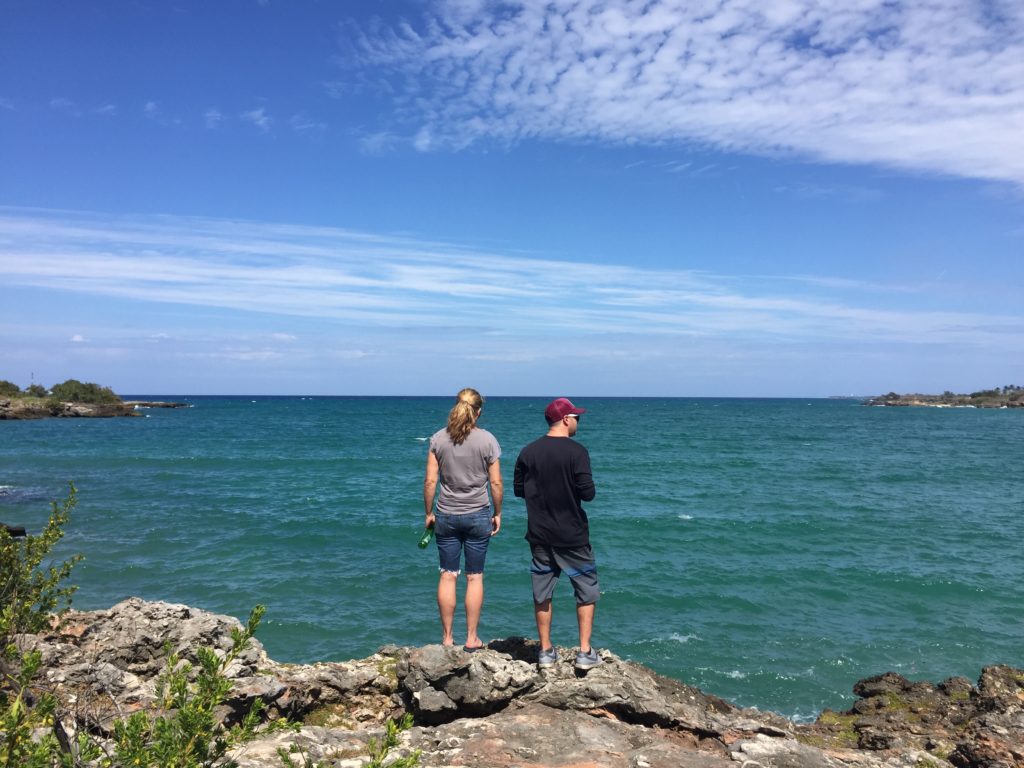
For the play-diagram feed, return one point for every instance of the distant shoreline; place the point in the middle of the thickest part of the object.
(1006, 397)
(29, 408)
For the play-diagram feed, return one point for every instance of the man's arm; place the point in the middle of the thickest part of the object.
(584, 477)
(519, 478)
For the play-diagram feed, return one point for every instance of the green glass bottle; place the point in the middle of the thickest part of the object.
(428, 534)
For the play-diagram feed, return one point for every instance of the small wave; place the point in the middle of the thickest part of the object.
(685, 517)
(15, 494)
(804, 718)
(734, 674)
(675, 637)
(682, 638)
(422, 439)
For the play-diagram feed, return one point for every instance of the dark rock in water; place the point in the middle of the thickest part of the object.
(495, 708)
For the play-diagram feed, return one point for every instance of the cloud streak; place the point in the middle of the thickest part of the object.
(259, 118)
(934, 86)
(391, 282)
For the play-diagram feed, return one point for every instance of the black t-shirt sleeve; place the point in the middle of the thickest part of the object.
(519, 477)
(584, 476)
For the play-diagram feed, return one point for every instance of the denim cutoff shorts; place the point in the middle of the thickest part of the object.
(470, 532)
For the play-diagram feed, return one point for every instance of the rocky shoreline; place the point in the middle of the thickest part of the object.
(22, 408)
(495, 708)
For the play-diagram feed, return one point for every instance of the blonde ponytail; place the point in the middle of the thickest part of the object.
(462, 417)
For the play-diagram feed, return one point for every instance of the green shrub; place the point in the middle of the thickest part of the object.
(29, 596)
(74, 391)
(379, 749)
(29, 593)
(23, 713)
(186, 732)
(9, 389)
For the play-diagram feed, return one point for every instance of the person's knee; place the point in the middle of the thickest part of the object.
(475, 576)
(543, 606)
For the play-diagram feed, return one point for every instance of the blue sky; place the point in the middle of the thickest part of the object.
(773, 198)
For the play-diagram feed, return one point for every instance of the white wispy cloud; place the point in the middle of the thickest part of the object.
(394, 282)
(927, 85)
(377, 143)
(153, 110)
(303, 123)
(213, 117)
(259, 118)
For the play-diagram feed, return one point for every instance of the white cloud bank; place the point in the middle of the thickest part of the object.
(926, 85)
(393, 283)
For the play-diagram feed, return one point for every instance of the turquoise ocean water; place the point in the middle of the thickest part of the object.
(771, 552)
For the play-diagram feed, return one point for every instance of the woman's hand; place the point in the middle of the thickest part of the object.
(495, 524)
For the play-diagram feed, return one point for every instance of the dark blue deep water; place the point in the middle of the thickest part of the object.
(771, 552)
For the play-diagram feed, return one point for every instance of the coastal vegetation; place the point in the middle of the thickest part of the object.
(71, 398)
(70, 391)
(1009, 396)
(30, 597)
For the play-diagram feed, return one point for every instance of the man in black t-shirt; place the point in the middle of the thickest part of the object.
(553, 475)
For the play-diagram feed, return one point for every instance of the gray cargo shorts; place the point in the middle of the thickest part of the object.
(577, 563)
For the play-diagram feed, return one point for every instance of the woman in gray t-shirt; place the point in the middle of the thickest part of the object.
(463, 461)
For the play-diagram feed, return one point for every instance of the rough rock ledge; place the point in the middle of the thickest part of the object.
(494, 708)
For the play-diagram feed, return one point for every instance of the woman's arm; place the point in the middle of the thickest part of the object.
(497, 492)
(429, 488)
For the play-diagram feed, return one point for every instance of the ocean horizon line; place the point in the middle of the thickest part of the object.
(141, 396)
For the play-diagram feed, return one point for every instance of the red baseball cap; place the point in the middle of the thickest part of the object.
(559, 408)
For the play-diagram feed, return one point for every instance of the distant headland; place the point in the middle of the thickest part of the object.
(70, 399)
(1010, 396)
